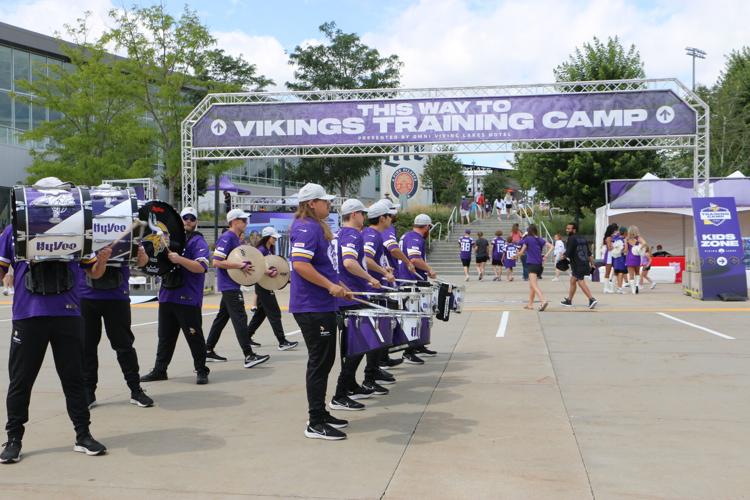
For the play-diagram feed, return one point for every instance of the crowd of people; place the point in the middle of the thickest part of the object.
(627, 259)
(479, 207)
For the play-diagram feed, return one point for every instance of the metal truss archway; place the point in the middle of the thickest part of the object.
(698, 142)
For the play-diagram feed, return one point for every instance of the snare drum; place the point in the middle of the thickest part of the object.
(51, 223)
(412, 328)
(114, 212)
(368, 330)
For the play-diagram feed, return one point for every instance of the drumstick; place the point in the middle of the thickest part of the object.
(375, 306)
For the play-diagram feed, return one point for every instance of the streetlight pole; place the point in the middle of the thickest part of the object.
(473, 181)
(695, 53)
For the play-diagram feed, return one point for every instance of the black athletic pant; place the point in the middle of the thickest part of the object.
(116, 316)
(348, 377)
(28, 346)
(232, 307)
(319, 332)
(267, 307)
(172, 319)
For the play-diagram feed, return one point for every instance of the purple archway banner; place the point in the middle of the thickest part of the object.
(648, 113)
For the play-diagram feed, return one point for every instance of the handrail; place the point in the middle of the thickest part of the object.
(451, 223)
(429, 234)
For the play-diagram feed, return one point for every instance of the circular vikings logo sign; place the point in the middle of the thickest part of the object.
(404, 181)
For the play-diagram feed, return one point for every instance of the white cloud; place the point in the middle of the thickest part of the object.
(266, 52)
(50, 16)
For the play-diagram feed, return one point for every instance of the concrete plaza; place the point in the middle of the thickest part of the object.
(632, 400)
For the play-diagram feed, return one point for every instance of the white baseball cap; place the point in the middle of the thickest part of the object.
(422, 220)
(189, 211)
(312, 191)
(237, 213)
(377, 209)
(352, 205)
(392, 207)
(269, 231)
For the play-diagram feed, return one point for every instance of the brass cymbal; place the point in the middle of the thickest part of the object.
(281, 279)
(250, 254)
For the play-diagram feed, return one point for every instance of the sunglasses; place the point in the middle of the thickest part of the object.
(190, 218)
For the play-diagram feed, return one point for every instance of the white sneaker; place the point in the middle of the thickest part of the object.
(555, 279)
(653, 285)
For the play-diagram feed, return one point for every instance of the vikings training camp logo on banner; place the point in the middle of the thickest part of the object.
(715, 215)
(404, 181)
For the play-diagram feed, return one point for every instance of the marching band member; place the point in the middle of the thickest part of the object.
(267, 305)
(41, 318)
(108, 299)
(180, 302)
(232, 304)
(312, 301)
(350, 263)
(413, 245)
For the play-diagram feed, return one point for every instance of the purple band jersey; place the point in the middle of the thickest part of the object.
(191, 291)
(534, 249)
(373, 245)
(227, 242)
(412, 244)
(498, 248)
(465, 244)
(348, 245)
(30, 305)
(390, 242)
(122, 292)
(309, 244)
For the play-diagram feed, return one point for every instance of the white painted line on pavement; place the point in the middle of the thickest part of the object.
(708, 330)
(503, 324)
(155, 322)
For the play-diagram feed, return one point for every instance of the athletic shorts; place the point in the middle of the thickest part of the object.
(482, 259)
(647, 268)
(466, 262)
(579, 274)
(464, 213)
(535, 268)
(497, 262)
(621, 271)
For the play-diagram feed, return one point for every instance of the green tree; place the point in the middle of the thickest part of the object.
(175, 64)
(494, 184)
(730, 116)
(443, 173)
(98, 132)
(575, 181)
(342, 62)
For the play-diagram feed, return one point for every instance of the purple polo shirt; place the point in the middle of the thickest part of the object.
(122, 292)
(309, 244)
(412, 244)
(349, 245)
(30, 305)
(390, 241)
(534, 249)
(465, 243)
(191, 291)
(227, 242)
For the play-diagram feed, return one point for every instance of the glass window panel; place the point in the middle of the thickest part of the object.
(54, 115)
(22, 114)
(38, 66)
(6, 67)
(6, 117)
(21, 66)
(38, 113)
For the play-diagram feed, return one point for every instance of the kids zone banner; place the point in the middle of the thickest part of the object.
(445, 120)
(720, 248)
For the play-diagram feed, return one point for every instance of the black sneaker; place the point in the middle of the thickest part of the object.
(324, 431)
(345, 403)
(566, 302)
(384, 378)
(90, 446)
(11, 451)
(377, 389)
(336, 423)
(424, 351)
(255, 359)
(254, 343)
(390, 362)
(412, 359)
(360, 392)
(140, 399)
(592, 303)
(201, 378)
(211, 356)
(286, 345)
(154, 376)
